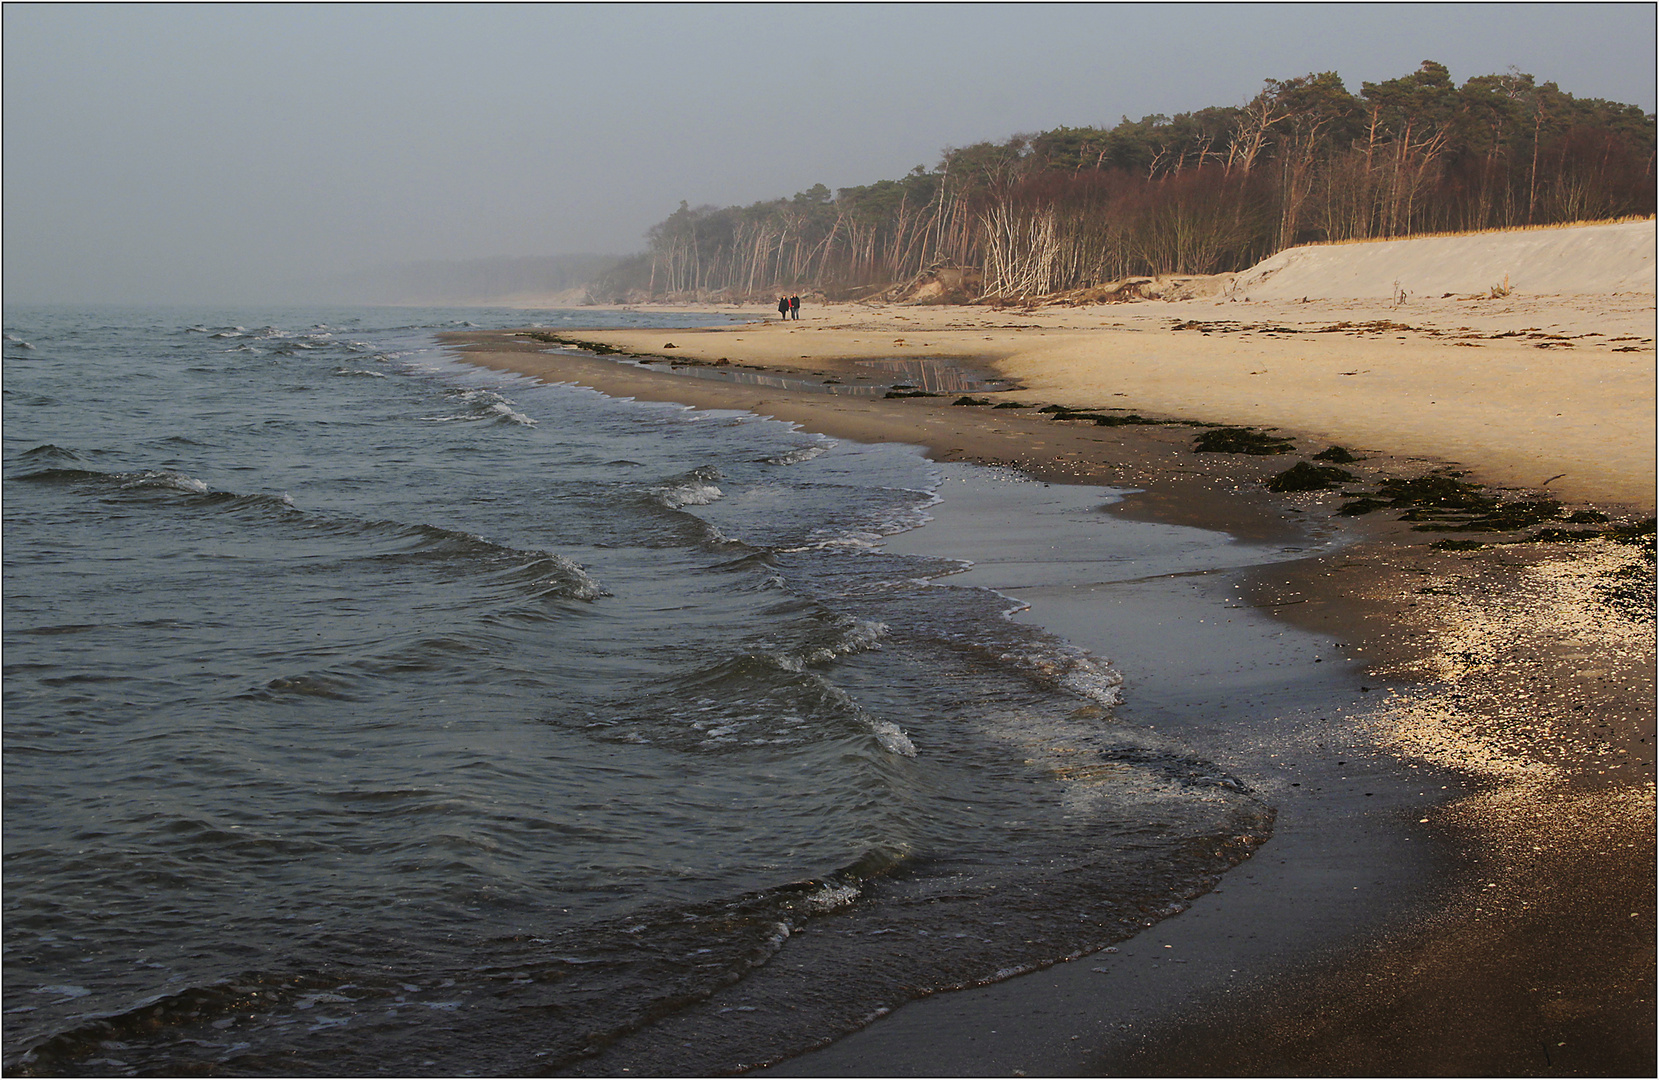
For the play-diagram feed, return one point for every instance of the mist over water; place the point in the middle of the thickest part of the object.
(366, 712)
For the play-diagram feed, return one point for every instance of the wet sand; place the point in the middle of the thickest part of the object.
(1460, 743)
(1400, 921)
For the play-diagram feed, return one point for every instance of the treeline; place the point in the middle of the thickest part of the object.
(1201, 192)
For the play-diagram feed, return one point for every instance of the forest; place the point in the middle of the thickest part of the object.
(1202, 192)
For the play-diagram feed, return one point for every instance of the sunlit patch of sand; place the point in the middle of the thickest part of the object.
(1520, 678)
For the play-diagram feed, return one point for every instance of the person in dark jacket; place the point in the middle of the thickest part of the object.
(794, 307)
(783, 307)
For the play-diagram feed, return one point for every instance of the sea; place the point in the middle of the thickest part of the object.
(367, 712)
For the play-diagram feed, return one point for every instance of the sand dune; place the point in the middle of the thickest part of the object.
(1579, 259)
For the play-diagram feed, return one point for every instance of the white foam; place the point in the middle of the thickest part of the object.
(1072, 668)
(68, 991)
(690, 493)
(572, 580)
(831, 897)
(506, 411)
(866, 541)
(165, 479)
(1100, 684)
(860, 635)
(892, 738)
(800, 454)
(900, 519)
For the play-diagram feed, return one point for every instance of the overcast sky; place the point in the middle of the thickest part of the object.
(190, 152)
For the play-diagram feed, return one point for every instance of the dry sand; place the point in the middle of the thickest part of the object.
(1499, 918)
(1520, 390)
(1580, 259)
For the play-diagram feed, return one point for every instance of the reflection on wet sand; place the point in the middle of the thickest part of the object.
(928, 376)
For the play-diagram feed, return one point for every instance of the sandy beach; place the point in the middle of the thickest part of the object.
(1459, 738)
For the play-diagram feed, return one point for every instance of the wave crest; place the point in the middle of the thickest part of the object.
(799, 454)
(695, 488)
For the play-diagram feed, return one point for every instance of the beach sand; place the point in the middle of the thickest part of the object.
(1521, 391)
(1459, 742)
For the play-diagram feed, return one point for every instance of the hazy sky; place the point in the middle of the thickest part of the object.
(190, 152)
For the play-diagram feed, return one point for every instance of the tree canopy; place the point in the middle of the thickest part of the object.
(1303, 160)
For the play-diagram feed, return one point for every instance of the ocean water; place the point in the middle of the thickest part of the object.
(366, 712)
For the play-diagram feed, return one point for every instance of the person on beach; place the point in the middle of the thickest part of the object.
(783, 307)
(794, 307)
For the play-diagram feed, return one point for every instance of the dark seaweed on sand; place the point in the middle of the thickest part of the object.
(1362, 506)
(1235, 440)
(1632, 581)
(1425, 498)
(597, 347)
(1442, 494)
(1305, 477)
(1640, 533)
(1507, 517)
(1336, 455)
(1447, 504)
(1631, 591)
(1061, 412)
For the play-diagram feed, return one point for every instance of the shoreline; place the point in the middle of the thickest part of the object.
(1397, 605)
(1525, 392)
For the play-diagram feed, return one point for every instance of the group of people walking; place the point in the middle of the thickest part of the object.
(789, 307)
